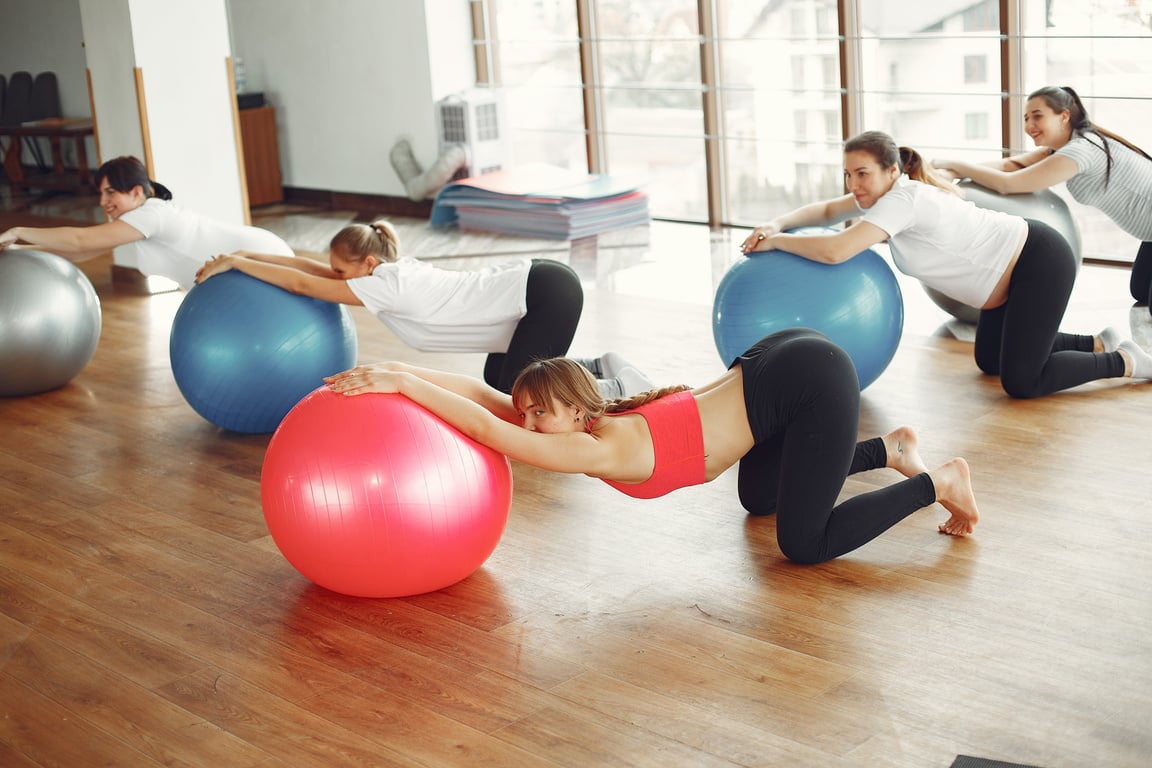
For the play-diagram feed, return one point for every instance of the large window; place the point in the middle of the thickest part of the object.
(1103, 49)
(733, 110)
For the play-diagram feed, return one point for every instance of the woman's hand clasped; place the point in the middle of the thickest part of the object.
(213, 266)
(8, 238)
(760, 239)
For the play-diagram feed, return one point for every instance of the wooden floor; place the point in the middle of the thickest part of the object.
(147, 618)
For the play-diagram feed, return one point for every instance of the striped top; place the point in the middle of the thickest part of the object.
(1128, 197)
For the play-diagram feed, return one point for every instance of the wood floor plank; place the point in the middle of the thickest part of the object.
(41, 732)
(432, 739)
(92, 634)
(707, 730)
(293, 734)
(380, 643)
(147, 616)
(137, 717)
(575, 736)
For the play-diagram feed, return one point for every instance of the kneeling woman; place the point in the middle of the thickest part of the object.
(787, 411)
(516, 312)
(1020, 272)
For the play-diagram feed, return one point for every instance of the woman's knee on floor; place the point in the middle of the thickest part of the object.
(1021, 386)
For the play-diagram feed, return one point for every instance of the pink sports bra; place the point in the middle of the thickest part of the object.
(678, 442)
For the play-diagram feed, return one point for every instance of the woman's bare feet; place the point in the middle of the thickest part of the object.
(903, 455)
(953, 482)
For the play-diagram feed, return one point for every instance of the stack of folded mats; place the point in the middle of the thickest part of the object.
(541, 201)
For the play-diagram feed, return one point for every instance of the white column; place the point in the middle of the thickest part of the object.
(181, 116)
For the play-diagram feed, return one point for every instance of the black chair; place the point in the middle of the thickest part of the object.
(15, 109)
(17, 99)
(43, 102)
(3, 91)
(44, 97)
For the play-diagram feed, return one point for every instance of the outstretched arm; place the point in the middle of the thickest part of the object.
(832, 248)
(290, 278)
(73, 243)
(570, 452)
(304, 264)
(491, 399)
(1028, 172)
(821, 213)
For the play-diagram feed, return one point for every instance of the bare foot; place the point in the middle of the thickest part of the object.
(953, 481)
(903, 455)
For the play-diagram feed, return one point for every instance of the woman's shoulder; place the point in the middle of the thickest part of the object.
(1085, 149)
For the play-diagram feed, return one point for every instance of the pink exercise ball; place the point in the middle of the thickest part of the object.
(374, 496)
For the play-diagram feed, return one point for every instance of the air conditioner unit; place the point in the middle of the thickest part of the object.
(474, 119)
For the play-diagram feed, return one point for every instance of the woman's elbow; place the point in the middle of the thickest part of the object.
(834, 255)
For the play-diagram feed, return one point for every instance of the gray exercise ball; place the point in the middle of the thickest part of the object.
(49, 322)
(1045, 206)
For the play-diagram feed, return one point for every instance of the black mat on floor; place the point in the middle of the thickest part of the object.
(966, 761)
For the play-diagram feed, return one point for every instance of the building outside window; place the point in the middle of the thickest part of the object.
(927, 72)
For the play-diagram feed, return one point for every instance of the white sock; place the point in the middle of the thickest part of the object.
(633, 381)
(1110, 339)
(610, 389)
(404, 162)
(1141, 360)
(421, 184)
(611, 363)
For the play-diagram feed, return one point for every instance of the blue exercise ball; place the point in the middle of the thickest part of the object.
(244, 351)
(49, 322)
(1045, 206)
(857, 304)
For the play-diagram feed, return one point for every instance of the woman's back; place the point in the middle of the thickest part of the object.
(946, 241)
(177, 241)
(1123, 190)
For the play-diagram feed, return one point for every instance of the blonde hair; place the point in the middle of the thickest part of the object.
(884, 151)
(359, 241)
(565, 380)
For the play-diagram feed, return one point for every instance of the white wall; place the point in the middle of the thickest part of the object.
(110, 59)
(349, 78)
(182, 49)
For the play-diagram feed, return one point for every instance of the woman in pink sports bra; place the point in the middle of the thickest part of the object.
(787, 411)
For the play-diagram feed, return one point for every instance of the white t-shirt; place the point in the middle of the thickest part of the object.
(444, 310)
(1127, 199)
(177, 242)
(946, 241)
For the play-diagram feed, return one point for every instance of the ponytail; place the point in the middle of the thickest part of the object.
(159, 190)
(359, 241)
(643, 398)
(917, 168)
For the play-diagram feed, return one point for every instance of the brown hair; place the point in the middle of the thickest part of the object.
(1064, 99)
(570, 383)
(883, 149)
(126, 172)
(360, 241)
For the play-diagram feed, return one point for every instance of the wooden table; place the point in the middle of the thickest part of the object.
(56, 130)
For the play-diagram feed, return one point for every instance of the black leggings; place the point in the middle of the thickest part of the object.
(803, 400)
(1020, 341)
(1141, 285)
(555, 300)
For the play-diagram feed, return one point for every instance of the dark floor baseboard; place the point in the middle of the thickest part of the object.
(367, 205)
